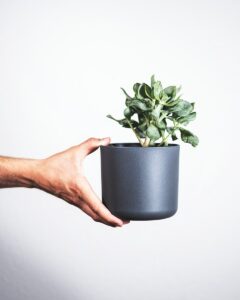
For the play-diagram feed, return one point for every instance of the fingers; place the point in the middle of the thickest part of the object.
(93, 144)
(90, 203)
(88, 195)
(85, 208)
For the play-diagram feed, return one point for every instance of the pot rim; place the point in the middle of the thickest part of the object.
(137, 146)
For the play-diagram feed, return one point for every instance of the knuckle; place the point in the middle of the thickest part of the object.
(91, 140)
(79, 187)
(96, 208)
(74, 187)
(96, 218)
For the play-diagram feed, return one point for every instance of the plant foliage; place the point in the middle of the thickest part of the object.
(156, 113)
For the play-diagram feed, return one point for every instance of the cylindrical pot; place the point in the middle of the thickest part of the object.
(140, 183)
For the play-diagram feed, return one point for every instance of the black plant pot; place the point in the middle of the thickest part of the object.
(140, 183)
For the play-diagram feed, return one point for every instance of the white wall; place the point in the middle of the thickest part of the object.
(61, 66)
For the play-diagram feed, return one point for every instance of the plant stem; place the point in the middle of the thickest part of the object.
(164, 140)
(163, 116)
(146, 142)
(139, 139)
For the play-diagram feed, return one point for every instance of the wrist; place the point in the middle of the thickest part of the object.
(31, 173)
(26, 172)
(40, 175)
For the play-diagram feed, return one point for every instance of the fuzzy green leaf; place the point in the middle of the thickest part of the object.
(188, 137)
(128, 97)
(174, 137)
(144, 91)
(156, 111)
(139, 105)
(147, 91)
(139, 94)
(182, 108)
(124, 122)
(163, 97)
(143, 126)
(141, 117)
(171, 103)
(153, 133)
(135, 88)
(128, 112)
(186, 119)
(161, 124)
(157, 88)
(152, 80)
(171, 91)
(140, 132)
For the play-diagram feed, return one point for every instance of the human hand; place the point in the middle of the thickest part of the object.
(62, 175)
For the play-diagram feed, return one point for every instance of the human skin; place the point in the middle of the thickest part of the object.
(61, 175)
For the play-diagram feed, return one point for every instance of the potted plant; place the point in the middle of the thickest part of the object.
(140, 180)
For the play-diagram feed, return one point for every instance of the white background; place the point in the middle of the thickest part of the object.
(61, 67)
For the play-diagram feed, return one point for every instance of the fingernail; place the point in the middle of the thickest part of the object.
(105, 141)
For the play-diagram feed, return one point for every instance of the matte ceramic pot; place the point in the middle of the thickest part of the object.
(140, 183)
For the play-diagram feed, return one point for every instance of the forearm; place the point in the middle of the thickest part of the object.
(17, 172)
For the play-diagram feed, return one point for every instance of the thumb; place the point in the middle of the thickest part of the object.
(93, 144)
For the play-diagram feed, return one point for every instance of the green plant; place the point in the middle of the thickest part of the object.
(157, 113)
